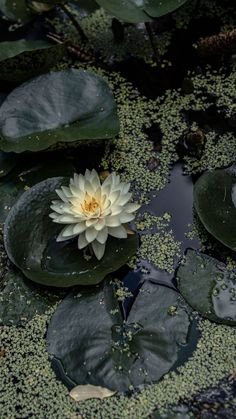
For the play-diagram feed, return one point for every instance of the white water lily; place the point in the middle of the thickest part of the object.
(93, 210)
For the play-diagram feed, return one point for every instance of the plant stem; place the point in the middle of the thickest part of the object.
(76, 24)
(152, 41)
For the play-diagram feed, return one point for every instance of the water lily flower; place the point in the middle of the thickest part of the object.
(93, 210)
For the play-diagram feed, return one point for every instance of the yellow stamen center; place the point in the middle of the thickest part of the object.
(90, 205)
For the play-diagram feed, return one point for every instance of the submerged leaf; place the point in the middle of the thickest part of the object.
(87, 391)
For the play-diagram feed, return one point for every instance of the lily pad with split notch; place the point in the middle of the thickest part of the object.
(208, 287)
(30, 241)
(95, 345)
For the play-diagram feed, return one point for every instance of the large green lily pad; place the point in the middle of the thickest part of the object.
(22, 60)
(209, 287)
(215, 203)
(65, 106)
(20, 300)
(88, 335)
(140, 10)
(19, 180)
(30, 241)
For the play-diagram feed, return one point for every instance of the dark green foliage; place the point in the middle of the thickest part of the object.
(208, 287)
(88, 335)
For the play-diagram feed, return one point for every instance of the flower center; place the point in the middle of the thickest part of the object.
(90, 205)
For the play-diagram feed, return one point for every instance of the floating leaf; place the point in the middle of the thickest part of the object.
(64, 106)
(22, 60)
(95, 346)
(20, 300)
(30, 241)
(86, 392)
(209, 287)
(19, 180)
(15, 10)
(140, 10)
(215, 204)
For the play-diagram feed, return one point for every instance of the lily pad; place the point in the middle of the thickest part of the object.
(214, 202)
(16, 10)
(30, 241)
(65, 106)
(94, 345)
(19, 180)
(209, 287)
(22, 60)
(20, 300)
(140, 10)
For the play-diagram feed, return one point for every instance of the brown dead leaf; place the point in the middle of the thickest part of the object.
(85, 392)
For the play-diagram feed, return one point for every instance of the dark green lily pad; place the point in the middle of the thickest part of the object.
(215, 203)
(22, 60)
(20, 300)
(65, 106)
(16, 10)
(19, 180)
(209, 287)
(7, 162)
(140, 11)
(95, 346)
(30, 241)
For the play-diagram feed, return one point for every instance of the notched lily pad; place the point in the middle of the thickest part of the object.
(21, 60)
(209, 287)
(140, 11)
(58, 107)
(30, 241)
(215, 203)
(94, 345)
(20, 300)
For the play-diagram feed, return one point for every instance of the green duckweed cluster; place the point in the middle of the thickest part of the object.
(29, 387)
(157, 242)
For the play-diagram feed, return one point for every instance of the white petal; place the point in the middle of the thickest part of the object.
(126, 218)
(116, 209)
(112, 221)
(82, 242)
(114, 196)
(124, 198)
(61, 195)
(67, 219)
(95, 179)
(89, 188)
(102, 235)
(75, 191)
(91, 222)
(100, 224)
(79, 228)
(91, 234)
(66, 234)
(99, 249)
(118, 232)
(66, 191)
(131, 207)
